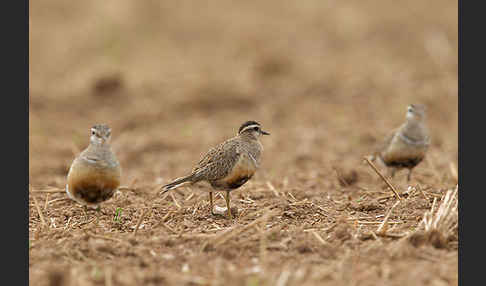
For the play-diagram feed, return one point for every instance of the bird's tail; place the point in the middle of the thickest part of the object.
(176, 183)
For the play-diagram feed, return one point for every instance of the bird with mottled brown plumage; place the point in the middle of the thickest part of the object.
(229, 165)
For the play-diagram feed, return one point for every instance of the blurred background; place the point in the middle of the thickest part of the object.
(327, 79)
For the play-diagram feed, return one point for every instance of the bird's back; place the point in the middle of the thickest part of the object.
(218, 161)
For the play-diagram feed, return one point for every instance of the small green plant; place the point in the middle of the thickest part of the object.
(273, 236)
(96, 273)
(360, 198)
(252, 281)
(118, 213)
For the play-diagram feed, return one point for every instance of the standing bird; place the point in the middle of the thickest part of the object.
(229, 165)
(95, 174)
(405, 147)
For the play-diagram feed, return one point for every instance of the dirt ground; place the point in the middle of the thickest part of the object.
(327, 79)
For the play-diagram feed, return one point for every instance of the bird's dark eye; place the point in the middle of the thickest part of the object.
(255, 128)
(93, 132)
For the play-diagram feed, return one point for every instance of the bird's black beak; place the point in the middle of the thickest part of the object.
(265, 133)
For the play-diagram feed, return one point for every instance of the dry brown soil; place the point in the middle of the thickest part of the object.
(327, 79)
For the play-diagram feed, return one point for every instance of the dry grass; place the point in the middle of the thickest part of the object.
(445, 218)
(439, 226)
(327, 79)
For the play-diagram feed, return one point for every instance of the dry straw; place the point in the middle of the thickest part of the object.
(444, 218)
(140, 221)
(383, 178)
(41, 216)
(227, 235)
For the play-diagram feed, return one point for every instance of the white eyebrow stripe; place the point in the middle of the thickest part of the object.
(250, 127)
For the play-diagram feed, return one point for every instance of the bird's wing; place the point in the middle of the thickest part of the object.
(218, 161)
(385, 143)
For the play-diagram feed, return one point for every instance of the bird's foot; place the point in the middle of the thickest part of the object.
(223, 211)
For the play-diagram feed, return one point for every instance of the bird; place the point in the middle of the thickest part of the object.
(406, 146)
(227, 166)
(95, 174)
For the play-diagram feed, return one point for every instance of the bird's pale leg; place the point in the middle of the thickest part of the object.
(228, 204)
(211, 202)
(98, 211)
(409, 174)
(85, 208)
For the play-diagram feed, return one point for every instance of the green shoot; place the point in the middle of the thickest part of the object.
(118, 213)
